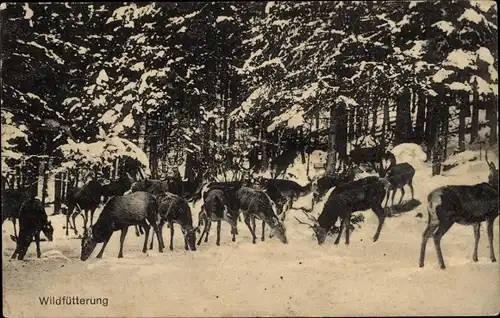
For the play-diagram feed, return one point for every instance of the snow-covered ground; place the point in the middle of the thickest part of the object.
(270, 278)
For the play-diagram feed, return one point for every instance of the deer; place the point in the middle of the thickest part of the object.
(400, 175)
(117, 187)
(327, 181)
(33, 219)
(175, 209)
(374, 156)
(217, 207)
(493, 175)
(462, 204)
(11, 204)
(120, 212)
(86, 198)
(359, 195)
(289, 189)
(257, 204)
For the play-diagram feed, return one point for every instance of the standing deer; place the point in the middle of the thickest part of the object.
(217, 207)
(466, 205)
(400, 175)
(86, 198)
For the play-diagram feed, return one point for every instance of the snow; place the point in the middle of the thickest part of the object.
(28, 13)
(461, 59)
(483, 87)
(484, 54)
(3, 6)
(50, 54)
(441, 75)
(472, 15)
(459, 86)
(137, 67)
(347, 100)
(483, 5)
(444, 26)
(269, 6)
(182, 30)
(102, 79)
(412, 154)
(222, 18)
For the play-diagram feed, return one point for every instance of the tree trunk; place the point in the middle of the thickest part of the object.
(331, 158)
(474, 129)
(386, 125)
(420, 121)
(492, 115)
(57, 193)
(403, 117)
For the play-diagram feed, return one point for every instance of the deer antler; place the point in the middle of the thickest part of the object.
(490, 164)
(303, 222)
(310, 217)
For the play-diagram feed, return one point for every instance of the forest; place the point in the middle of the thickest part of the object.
(230, 86)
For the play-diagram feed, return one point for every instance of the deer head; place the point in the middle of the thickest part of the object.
(88, 244)
(48, 230)
(190, 236)
(319, 232)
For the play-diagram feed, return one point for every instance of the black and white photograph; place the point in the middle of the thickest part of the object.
(250, 159)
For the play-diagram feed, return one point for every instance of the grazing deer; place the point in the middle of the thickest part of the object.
(120, 212)
(493, 176)
(400, 175)
(257, 204)
(86, 198)
(216, 207)
(175, 209)
(32, 220)
(359, 195)
(464, 205)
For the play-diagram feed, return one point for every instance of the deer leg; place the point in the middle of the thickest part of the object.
(393, 196)
(122, 239)
(402, 194)
(411, 189)
(217, 242)
(147, 229)
(159, 235)
(247, 222)
(209, 222)
(380, 212)
(103, 247)
(37, 242)
(202, 233)
(263, 231)
(347, 222)
(73, 218)
(152, 240)
(171, 235)
(387, 198)
(137, 230)
(337, 240)
(14, 224)
(254, 229)
(444, 226)
(477, 227)
(490, 239)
